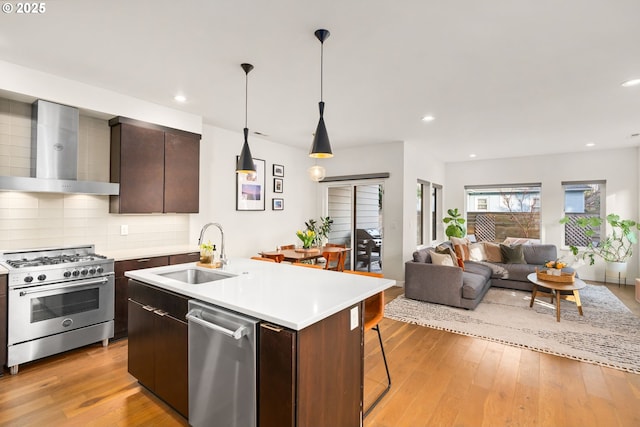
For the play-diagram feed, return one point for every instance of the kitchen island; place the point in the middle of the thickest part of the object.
(310, 340)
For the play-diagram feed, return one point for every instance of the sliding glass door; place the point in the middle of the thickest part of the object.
(356, 210)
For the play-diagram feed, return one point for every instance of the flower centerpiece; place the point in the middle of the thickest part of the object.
(206, 253)
(307, 237)
(555, 267)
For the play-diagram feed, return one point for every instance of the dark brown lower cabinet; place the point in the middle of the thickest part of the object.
(159, 342)
(122, 289)
(312, 377)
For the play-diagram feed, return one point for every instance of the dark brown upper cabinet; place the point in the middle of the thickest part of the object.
(158, 168)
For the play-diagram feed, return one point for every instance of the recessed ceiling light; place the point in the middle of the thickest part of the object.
(428, 118)
(590, 144)
(180, 98)
(632, 82)
(472, 155)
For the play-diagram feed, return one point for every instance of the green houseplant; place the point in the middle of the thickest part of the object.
(616, 247)
(454, 223)
(321, 229)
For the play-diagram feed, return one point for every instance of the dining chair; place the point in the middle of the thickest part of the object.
(261, 258)
(334, 245)
(275, 257)
(373, 314)
(334, 260)
(288, 247)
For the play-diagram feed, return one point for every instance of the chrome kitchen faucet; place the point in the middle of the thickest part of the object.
(223, 257)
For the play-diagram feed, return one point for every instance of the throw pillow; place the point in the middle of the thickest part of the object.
(512, 254)
(461, 246)
(460, 263)
(421, 255)
(492, 251)
(441, 259)
(476, 252)
(444, 249)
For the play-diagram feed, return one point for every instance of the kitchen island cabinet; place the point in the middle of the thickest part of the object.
(158, 343)
(157, 168)
(310, 348)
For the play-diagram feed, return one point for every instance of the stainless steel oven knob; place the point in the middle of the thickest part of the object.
(84, 271)
(75, 273)
(28, 279)
(92, 270)
(100, 270)
(67, 274)
(42, 277)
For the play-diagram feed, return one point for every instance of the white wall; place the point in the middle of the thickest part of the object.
(618, 167)
(248, 232)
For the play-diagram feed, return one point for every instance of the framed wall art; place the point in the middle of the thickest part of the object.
(277, 185)
(277, 204)
(278, 170)
(250, 188)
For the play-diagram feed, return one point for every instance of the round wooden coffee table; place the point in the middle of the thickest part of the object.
(556, 292)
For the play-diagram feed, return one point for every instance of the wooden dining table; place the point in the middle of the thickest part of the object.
(297, 255)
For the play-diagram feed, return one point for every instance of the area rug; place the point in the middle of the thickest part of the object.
(608, 334)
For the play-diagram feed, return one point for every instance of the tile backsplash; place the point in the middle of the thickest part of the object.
(30, 220)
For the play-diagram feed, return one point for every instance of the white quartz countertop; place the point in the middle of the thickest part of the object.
(289, 296)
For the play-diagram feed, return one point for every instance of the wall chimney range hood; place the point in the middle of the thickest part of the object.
(54, 155)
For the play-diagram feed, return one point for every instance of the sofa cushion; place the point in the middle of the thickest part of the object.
(512, 254)
(518, 272)
(422, 255)
(478, 268)
(441, 259)
(492, 250)
(539, 254)
(472, 285)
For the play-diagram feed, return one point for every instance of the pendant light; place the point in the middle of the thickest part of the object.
(321, 148)
(316, 173)
(245, 161)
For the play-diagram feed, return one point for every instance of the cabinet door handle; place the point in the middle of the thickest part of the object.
(144, 260)
(161, 313)
(148, 308)
(271, 327)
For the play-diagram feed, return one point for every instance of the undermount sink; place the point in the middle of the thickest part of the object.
(194, 276)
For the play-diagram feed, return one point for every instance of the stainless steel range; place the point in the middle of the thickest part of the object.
(59, 299)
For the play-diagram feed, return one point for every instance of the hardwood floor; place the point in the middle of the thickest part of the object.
(438, 379)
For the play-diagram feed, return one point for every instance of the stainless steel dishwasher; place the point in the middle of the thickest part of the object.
(222, 367)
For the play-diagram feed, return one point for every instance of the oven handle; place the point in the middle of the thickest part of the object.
(83, 283)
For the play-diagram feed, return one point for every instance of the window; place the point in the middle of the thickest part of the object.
(481, 204)
(582, 199)
(436, 211)
(500, 211)
(429, 198)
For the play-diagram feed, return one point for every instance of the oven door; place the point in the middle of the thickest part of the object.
(42, 310)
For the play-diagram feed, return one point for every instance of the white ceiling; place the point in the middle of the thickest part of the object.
(502, 77)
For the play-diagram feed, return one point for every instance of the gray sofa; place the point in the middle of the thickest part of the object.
(456, 287)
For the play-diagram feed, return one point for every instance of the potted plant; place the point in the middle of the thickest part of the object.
(455, 223)
(615, 249)
(321, 229)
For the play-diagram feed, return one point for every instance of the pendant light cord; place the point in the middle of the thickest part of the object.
(246, 98)
(321, 69)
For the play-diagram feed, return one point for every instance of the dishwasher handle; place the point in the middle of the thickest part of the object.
(193, 316)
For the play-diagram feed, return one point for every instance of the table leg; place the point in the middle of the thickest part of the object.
(576, 295)
(534, 291)
(557, 295)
